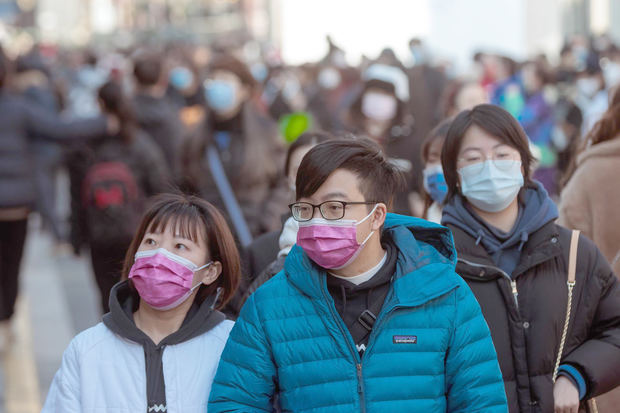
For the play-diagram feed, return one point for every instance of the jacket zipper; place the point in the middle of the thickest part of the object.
(358, 362)
(513, 283)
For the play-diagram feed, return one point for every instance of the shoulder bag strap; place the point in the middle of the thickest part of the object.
(572, 266)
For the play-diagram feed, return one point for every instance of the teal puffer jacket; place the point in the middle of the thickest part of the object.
(430, 349)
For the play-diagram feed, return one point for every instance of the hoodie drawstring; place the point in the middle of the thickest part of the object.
(524, 238)
(480, 234)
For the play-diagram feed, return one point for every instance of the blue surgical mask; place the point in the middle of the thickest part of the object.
(435, 183)
(491, 185)
(181, 78)
(220, 95)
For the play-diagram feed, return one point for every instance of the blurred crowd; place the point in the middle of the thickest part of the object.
(222, 122)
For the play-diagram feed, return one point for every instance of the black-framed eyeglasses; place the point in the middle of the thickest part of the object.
(330, 210)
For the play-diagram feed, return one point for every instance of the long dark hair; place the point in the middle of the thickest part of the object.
(189, 214)
(114, 102)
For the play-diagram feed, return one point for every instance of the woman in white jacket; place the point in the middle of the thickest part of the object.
(158, 348)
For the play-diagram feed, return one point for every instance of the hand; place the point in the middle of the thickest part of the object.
(566, 396)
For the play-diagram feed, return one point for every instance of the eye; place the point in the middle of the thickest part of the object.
(149, 241)
(180, 246)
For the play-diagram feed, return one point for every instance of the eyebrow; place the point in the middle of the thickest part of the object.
(332, 195)
(475, 148)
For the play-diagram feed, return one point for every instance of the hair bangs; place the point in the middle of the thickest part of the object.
(185, 220)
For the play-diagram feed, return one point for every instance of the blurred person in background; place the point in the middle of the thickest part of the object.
(184, 82)
(460, 95)
(426, 87)
(429, 205)
(155, 114)
(537, 119)
(589, 201)
(332, 90)
(382, 114)
(566, 136)
(265, 256)
(20, 122)
(515, 258)
(32, 81)
(284, 94)
(592, 97)
(247, 143)
(124, 169)
(158, 348)
(507, 90)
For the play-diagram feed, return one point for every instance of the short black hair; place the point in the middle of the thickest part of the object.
(379, 179)
(305, 139)
(495, 121)
(147, 69)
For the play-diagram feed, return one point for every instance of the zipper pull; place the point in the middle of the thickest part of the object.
(359, 379)
(513, 283)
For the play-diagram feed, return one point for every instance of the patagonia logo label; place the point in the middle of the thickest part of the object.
(405, 339)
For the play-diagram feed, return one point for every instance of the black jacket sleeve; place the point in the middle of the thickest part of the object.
(598, 358)
(43, 123)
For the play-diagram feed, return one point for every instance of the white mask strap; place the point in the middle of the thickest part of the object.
(369, 215)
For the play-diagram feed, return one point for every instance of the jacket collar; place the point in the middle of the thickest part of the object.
(124, 301)
(543, 245)
(425, 251)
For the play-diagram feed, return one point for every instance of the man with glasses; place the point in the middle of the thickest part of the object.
(368, 313)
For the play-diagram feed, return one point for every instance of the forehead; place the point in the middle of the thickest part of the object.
(477, 138)
(342, 184)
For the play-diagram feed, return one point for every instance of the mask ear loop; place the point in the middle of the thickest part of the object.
(371, 232)
(196, 270)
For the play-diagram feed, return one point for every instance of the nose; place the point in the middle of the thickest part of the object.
(316, 211)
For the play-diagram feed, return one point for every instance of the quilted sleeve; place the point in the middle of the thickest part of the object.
(64, 393)
(473, 378)
(245, 378)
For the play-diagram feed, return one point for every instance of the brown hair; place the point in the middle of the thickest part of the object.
(493, 120)
(189, 214)
(379, 179)
(229, 63)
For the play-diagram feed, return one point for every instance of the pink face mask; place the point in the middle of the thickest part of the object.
(163, 279)
(331, 244)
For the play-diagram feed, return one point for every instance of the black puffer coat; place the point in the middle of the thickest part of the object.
(526, 316)
(19, 122)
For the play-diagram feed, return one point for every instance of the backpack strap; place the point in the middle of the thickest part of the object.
(572, 267)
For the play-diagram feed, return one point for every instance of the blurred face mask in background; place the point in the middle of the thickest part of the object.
(435, 183)
(379, 106)
(588, 86)
(220, 95)
(329, 78)
(181, 78)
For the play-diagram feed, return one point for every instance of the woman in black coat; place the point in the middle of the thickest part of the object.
(515, 258)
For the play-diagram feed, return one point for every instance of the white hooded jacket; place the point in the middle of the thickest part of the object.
(104, 371)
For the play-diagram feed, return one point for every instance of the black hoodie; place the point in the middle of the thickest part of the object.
(359, 305)
(200, 318)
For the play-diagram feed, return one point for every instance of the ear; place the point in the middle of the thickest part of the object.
(211, 273)
(378, 217)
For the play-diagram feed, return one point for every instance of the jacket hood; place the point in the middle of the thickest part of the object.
(610, 148)
(535, 210)
(124, 300)
(425, 251)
